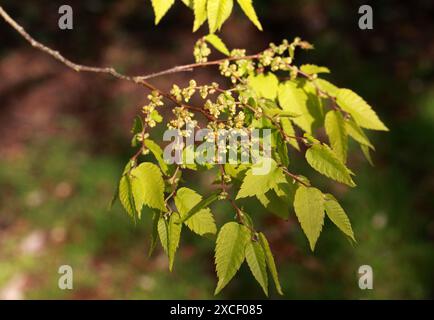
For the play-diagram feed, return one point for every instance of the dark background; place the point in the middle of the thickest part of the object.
(65, 138)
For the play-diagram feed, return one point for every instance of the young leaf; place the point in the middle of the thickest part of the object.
(202, 222)
(355, 132)
(335, 128)
(236, 171)
(279, 200)
(158, 154)
(259, 184)
(160, 8)
(200, 205)
(269, 259)
(280, 149)
(313, 69)
(189, 3)
(324, 160)
(154, 234)
(367, 154)
(359, 110)
(170, 234)
(255, 257)
(294, 99)
(147, 187)
(126, 196)
(309, 208)
(200, 15)
(249, 10)
(218, 12)
(290, 131)
(327, 87)
(137, 125)
(265, 85)
(338, 216)
(217, 43)
(230, 252)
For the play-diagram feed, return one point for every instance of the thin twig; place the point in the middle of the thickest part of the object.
(190, 67)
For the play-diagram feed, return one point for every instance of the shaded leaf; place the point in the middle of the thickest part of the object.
(335, 128)
(269, 259)
(170, 234)
(255, 258)
(254, 184)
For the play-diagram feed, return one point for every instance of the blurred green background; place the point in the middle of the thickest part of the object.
(65, 139)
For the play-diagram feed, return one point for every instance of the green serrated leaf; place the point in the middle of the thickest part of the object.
(361, 112)
(265, 85)
(335, 128)
(170, 234)
(255, 258)
(327, 87)
(289, 130)
(254, 184)
(313, 69)
(309, 208)
(137, 125)
(158, 154)
(249, 10)
(357, 133)
(366, 152)
(200, 13)
(160, 8)
(200, 205)
(294, 99)
(325, 161)
(189, 3)
(217, 43)
(202, 221)
(236, 171)
(154, 234)
(230, 252)
(126, 196)
(218, 12)
(338, 216)
(279, 200)
(269, 259)
(147, 187)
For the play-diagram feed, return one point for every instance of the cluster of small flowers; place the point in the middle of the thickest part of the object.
(225, 102)
(184, 118)
(275, 58)
(185, 94)
(155, 100)
(238, 68)
(201, 51)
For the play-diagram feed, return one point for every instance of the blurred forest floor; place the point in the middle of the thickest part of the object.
(65, 138)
